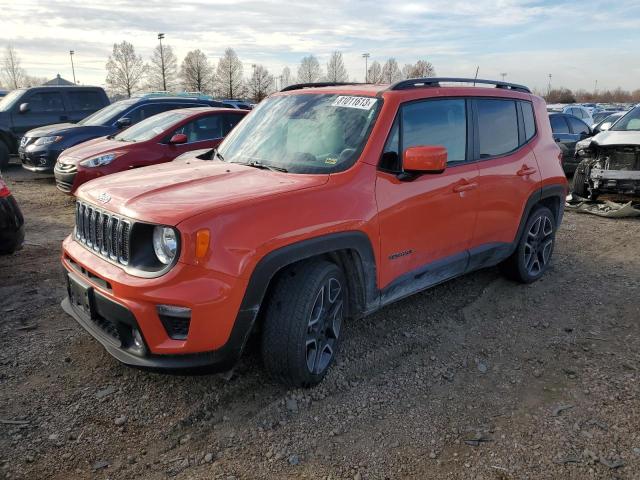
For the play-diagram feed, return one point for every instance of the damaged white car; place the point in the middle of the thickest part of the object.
(610, 161)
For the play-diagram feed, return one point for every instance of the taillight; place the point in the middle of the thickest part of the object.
(4, 190)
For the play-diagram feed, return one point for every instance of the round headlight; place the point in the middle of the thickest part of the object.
(165, 244)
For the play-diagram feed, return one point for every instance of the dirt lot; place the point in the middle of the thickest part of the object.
(479, 378)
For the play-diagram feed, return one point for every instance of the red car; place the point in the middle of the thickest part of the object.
(158, 139)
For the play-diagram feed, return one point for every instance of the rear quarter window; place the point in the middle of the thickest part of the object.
(558, 124)
(528, 120)
(497, 127)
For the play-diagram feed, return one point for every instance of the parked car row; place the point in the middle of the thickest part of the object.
(40, 122)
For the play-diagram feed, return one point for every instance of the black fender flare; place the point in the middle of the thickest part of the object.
(557, 192)
(272, 263)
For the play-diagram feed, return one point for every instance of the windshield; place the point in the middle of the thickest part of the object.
(306, 133)
(106, 115)
(151, 127)
(630, 122)
(9, 99)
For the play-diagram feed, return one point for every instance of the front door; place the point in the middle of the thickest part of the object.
(426, 221)
(44, 108)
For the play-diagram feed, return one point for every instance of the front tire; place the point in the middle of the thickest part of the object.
(579, 182)
(302, 323)
(535, 248)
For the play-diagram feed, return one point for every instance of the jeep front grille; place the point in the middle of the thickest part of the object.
(106, 234)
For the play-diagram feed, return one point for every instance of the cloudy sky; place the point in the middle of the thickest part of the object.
(578, 42)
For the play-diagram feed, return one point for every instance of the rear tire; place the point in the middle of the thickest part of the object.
(535, 248)
(302, 323)
(4, 155)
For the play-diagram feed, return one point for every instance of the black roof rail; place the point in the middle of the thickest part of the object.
(435, 82)
(299, 86)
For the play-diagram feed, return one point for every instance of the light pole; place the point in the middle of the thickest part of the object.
(503, 75)
(366, 66)
(549, 89)
(164, 78)
(73, 69)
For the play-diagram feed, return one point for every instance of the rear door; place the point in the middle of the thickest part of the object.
(44, 108)
(563, 136)
(508, 172)
(82, 103)
(426, 222)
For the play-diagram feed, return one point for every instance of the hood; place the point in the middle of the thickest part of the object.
(92, 148)
(612, 138)
(172, 192)
(69, 128)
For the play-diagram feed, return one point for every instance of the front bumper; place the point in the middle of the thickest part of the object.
(218, 328)
(65, 176)
(625, 182)
(38, 160)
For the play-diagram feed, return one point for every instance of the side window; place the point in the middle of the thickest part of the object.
(529, 120)
(497, 127)
(205, 128)
(578, 126)
(46, 102)
(84, 100)
(558, 124)
(231, 121)
(140, 113)
(437, 122)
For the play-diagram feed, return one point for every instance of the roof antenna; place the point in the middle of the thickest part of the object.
(476, 77)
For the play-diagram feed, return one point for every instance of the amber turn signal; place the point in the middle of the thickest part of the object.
(202, 243)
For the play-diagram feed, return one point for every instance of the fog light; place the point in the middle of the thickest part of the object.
(138, 343)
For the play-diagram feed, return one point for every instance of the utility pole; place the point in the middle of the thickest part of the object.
(549, 89)
(366, 67)
(164, 77)
(595, 90)
(73, 69)
(503, 75)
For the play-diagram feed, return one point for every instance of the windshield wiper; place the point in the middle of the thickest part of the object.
(265, 166)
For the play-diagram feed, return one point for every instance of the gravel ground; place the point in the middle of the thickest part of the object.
(478, 378)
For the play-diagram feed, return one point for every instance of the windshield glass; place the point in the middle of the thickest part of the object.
(306, 133)
(106, 115)
(630, 122)
(151, 127)
(9, 99)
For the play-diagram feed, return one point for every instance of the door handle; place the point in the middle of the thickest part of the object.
(525, 170)
(463, 187)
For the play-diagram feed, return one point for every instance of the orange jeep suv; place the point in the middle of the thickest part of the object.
(326, 203)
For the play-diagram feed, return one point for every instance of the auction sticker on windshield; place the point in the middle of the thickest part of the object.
(363, 103)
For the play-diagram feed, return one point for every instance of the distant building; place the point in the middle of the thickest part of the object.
(58, 81)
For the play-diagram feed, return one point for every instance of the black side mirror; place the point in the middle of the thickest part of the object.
(584, 135)
(123, 122)
(24, 107)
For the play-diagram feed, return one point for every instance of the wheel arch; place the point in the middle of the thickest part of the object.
(552, 197)
(351, 250)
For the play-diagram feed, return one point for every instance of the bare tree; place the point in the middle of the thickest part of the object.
(228, 78)
(285, 77)
(374, 75)
(423, 69)
(391, 72)
(163, 69)
(260, 84)
(125, 69)
(196, 72)
(335, 68)
(13, 74)
(309, 70)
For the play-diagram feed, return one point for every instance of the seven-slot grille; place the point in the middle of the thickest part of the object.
(104, 233)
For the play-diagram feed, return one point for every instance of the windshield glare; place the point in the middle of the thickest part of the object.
(9, 99)
(629, 122)
(106, 115)
(150, 127)
(306, 133)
